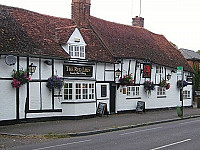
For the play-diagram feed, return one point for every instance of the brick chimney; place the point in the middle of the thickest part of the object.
(138, 21)
(81, 12)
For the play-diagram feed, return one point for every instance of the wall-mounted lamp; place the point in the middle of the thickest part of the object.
(169, 76)
(117, 73)
(173, 71)
(31, 68)
(48, 62)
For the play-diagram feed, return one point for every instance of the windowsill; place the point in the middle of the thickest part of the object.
(103, 98)
(186, 98)
(161, 96)
(133, 98)
(77, 101)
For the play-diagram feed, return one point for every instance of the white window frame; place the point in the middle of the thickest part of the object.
(105, 87)
(69, 88)
(76, 51)
(133, 91)
(186, 94)
(161, 91)
(159, 70)
(81, 91)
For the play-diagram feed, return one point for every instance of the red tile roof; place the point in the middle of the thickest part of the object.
(28, 33)
(138, 43)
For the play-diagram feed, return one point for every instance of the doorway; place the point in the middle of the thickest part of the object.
(112, 98)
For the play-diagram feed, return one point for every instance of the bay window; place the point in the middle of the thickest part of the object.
(79, 91)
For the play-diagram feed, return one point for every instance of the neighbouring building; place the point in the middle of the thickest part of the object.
(98, 60)
(192, 57)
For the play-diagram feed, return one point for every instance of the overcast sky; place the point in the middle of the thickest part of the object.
(177, 20)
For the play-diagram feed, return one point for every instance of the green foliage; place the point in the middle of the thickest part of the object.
(174, 45)
(196, 78)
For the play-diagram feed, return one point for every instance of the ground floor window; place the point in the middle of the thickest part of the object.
(133, 91)
(78, 91)
(68, 91)
(161, 91)
(186, 94)
(103, 90)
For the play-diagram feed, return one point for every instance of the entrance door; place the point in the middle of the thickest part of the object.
(112, 98)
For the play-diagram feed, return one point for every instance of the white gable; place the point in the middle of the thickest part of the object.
(76, 38)
(75, 46)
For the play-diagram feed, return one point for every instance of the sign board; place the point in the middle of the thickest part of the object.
(140, 106)
(77, 71)
(179, 72)
(146, 70)
(102, 109)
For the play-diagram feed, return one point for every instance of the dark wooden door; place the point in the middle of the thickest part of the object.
(112, 98)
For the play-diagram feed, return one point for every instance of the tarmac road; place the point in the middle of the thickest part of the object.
(30, 133)
(183, 134)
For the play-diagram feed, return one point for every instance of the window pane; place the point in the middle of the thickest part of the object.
(76, 51)
(68, 91)
(103, 90)
(85, 91)
(82, 52)
(71, 50)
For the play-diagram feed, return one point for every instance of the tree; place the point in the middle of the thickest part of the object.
(196, 78)
(174, 44)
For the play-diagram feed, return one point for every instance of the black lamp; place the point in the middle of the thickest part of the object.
(169, 76)
(31, 68)
(117, 73)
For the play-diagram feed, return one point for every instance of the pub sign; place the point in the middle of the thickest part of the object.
(77, 71)
(146, 70)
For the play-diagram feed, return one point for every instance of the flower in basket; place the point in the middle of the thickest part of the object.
(55, 82)
(164, 84)
(180, 82)
(148, 86)
(126, 80)
(19, 78)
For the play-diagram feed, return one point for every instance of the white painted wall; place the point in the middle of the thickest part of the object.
(103, 99)
(41, 99)
(151, 101)
(78, 109)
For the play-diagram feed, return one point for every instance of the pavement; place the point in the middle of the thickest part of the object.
(98, 124)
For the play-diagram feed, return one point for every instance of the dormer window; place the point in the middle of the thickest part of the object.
(75, 46)
(76, 51)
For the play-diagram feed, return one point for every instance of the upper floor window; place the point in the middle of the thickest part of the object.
(76, 51)
(159, 69)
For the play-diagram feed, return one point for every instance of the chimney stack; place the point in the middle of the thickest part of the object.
(81, 12)
(138, 21)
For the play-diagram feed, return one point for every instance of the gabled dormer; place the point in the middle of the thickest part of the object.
(75, 46)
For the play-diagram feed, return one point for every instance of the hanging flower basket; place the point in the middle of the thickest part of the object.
(179, 83)
(164, 84)
(19, 78)
(126, 80)
(148, 86)
(55, 82)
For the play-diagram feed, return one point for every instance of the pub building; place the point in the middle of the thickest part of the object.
(98, 61)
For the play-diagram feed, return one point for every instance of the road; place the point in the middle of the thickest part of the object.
(176, 135)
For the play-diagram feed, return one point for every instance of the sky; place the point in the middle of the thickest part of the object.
(177, 20)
